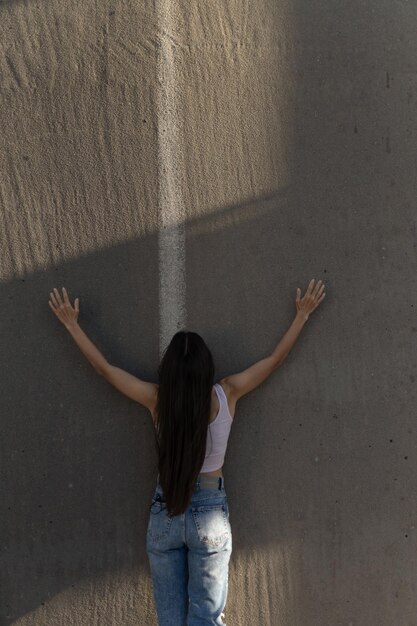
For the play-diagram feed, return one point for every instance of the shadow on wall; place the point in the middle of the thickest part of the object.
(78, 462)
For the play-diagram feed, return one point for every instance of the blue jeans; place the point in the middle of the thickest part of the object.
(189, 556)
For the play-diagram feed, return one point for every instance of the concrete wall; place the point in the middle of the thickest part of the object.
(190, 165)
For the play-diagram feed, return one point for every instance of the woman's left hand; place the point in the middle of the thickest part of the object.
(63, 308)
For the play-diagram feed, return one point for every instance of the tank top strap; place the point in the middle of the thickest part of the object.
(221, 392)
(224, 404)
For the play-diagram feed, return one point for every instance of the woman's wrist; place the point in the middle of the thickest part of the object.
(72, 327)
(303, 317)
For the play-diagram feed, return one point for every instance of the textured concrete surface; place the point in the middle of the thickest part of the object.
(192, 164)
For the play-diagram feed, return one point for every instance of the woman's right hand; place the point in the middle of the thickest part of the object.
(311, 300)
(63, 309)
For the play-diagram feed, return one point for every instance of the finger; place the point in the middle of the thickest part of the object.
(316, 288)
(297, 297)
(317, 302)
(58, 297)
(310, 287)
(54, 300)
(321, 289)
(66, 299)
(77, 304)
(52, 307)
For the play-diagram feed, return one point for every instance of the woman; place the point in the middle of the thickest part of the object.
(189, 538)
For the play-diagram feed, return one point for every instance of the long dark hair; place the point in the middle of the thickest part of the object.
(186, 377)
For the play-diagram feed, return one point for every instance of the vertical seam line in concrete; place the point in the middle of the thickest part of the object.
(171, 216)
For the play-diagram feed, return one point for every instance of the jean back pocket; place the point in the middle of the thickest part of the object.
(212, 523)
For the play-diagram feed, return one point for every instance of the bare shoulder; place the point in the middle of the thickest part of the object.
(231, 398)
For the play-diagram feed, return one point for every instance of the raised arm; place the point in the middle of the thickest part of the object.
(237, 385)
(131, 386)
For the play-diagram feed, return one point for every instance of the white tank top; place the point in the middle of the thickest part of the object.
(217, 434)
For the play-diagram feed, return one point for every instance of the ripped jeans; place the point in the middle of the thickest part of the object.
(189, 556)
